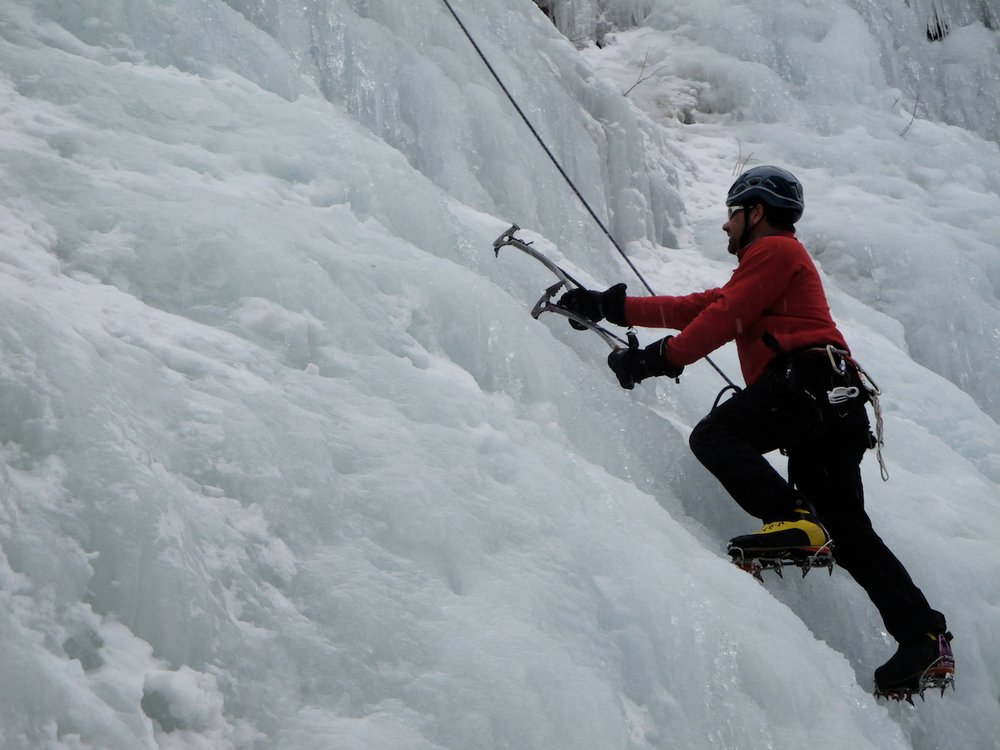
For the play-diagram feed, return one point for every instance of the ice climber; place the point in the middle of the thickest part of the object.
(804, 395)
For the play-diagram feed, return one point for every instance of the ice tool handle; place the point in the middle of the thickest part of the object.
(545, 303)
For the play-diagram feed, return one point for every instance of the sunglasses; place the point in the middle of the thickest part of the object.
(734, 209)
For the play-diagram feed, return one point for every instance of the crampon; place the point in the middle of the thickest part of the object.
(756, 561)
(939, 675)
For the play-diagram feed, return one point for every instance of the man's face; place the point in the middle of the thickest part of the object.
(734, 228)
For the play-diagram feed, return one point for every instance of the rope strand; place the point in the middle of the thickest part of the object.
(558, 166)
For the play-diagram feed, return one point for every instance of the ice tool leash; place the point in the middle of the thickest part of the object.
(607, 233)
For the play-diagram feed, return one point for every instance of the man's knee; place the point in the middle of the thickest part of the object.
(703, 442)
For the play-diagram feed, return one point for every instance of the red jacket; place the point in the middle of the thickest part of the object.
(773, 303)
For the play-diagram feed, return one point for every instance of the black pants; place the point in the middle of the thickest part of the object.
(825, 443)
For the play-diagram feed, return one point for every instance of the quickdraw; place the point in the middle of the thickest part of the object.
(565, 281)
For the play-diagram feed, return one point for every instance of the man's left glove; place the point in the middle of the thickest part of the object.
(634, 365)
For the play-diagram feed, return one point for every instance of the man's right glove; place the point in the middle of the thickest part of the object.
(596, 306)
(634, 365)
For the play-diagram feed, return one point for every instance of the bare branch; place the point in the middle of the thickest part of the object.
(913, 117)
(641, 78)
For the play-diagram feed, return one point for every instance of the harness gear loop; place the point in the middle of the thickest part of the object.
(839, 359)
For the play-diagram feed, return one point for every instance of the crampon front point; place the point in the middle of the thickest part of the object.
(755, 561)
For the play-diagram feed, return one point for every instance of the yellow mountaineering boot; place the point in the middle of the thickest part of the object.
(803, 533)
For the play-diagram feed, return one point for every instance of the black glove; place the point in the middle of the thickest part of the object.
(634, 365)
(596, 306)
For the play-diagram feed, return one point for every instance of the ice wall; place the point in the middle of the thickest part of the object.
(586, 22)
(381, 61)
(942, 55)
(286, 464)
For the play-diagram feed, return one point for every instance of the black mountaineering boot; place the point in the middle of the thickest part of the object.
(917, 665)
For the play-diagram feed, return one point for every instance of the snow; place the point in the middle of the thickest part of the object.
(285, 463)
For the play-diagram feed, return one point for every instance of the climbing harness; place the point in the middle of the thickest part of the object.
(569, 181)
(839, 360)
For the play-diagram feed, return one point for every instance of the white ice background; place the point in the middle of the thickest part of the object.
(287, 464)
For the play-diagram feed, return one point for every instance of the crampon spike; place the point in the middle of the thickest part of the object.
(804, 558)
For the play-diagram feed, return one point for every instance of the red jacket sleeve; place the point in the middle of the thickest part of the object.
(667, 312)
(774, 302)
(757, 283)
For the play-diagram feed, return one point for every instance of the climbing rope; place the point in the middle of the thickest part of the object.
(565, 176)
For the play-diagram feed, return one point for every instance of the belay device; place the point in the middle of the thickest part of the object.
(565, 281)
